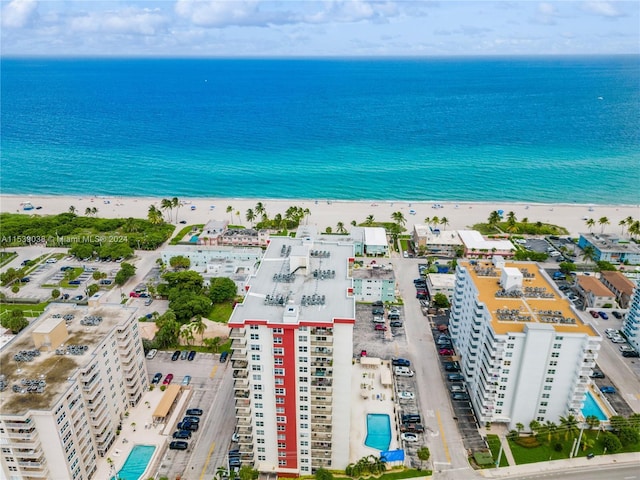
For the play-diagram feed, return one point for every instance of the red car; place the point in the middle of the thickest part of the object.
(594, 314)
(381, 327)
(134, 294)
(446, 351)
(363, 353)
(167, 379)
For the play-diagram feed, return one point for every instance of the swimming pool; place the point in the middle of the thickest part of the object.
(193, 239)
(136, 463)
(378, 431)
(591, 407)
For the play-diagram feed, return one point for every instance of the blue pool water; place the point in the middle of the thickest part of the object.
(194, 239)
(378, 431)
(136, 463)
(591, 407)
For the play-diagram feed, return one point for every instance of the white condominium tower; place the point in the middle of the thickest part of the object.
(631, 324)
(69, 377)
(525, 353)
(292, 358)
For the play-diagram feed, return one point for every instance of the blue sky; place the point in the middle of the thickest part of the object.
(236, 28)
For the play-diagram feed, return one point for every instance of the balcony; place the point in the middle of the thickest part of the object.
(243, 422)
(243, 412)
(239, 363)
(322, 351)
(240, 374)
(315, 401)
(319, 453)
(325, 362)
(321, 343)
(241, 384)
(321, 382)
(324, 391)
(321, 419)
(245, 440)
(241, 394)
(322, 436)
(239, 343)
(321, 429)
(244, 430)
(236, 333)
(241, 355)
(321, 372)
(317, 462)
(241, 402)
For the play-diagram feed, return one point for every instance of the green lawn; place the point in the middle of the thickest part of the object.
(221, 312)
(71, 275)
(29, 309)
(6, 257)
(494, 446)
(546, 452)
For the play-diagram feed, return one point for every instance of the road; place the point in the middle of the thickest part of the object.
(593, 472)
(448, 454)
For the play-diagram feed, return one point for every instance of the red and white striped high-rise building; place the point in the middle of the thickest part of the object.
(292, 358)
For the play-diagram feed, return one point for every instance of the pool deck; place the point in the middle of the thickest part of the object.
(137, 429)
(602, 402)
(370, 396)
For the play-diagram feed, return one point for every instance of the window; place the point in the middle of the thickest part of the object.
(507, 363)
(282, 454)
(259, 414)
(545, 395)
(259, 432)
(553, 363)
(277, 340)
(304, 338)
(256, 368)
(278, 351)
(542, 411)
(255, 347)
(500, 404)
(260, 440)
(282, 463)
(540, 419)
(555, 355)
(501, 395)
(261, 449)
(277, 330)
(278, 371)
(557, 345)
(257, 387)
(258, 405)
(304, 399)
(282, 445)
(548, 380)
(262, 457)
(254, 336)
(257, 396)
(303, 389)
(303, 369)
(303, 359)
(253, 327)
(551, 371)
(280, 400)
(304, 408)
(304, 443)
(278, 361)
(544, 404)
(259, 423)
(280, 391)
(257, 377)
(255, 357)
(503, 387)
(304, 417)
(279, 381)
(509, 354)
(510, 346)
(304, 426)
(280, 410)
(282, 428)
(303, 348)
(506, 371)
(303, 379)
(547, 387)
(281, 419)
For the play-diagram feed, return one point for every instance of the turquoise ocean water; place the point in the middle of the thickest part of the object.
(557, 129)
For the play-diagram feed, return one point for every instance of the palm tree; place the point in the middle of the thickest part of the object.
(369, 220)
(166, 205)
(87, 211)
(435, 221)
(519, 427)
(340, 228)
(213, 343)
(154, 215)
(187, 335)
(552, 428)
(277, 220)
(260, 209)
(444, 221)
(250, 216)
(175, 203)
(511, 217)
(590, 222)
(230, 211)
(588, 253)
(354, 223)
(569, 424)
(634, 228)
(94, 211)
(534, 426)
(623, 224)
(603, 221)
(494, 218)
(592, 421)
(199, 327)
(306, 213)
(423, 455)
(427, 220)
(398, 217)
(72, 210)
(238, 215)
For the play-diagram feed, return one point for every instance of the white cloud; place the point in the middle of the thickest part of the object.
(605, 9)
(127, 21)
(18, 13)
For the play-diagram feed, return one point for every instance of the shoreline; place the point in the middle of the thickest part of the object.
(327, 213)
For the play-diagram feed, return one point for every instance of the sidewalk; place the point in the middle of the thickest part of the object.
(561, 465)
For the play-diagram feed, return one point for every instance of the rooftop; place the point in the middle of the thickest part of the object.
(375, 271)
(619, 281)
(474, 240)
(593, 285)
(442, 280)
(440, 237)
(375, 236)
(537, 300)
(302, 279)
(607, 242)
(49, 366)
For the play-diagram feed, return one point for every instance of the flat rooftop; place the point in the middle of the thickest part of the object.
(538, 302)
(307, 275)
(54, 369)
(377, 272)
(608, 242)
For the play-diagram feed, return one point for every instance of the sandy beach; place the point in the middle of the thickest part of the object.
(326, 213)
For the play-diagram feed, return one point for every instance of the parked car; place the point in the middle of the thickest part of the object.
(167, 379)
(631, 354)
(409, 437)
(186, 380)
(377, 303)
(184, 354)
(178, 445)
(457, 387)
(607, 389)
(131, 294)
(400, 362)
(74, 282)
(156, 378)
(380, 327)
(194, 411)
(377, 311)
(152, 353)
(106, 281)
(452, 366)
(597, 374)
(618, 339)
(175, 356)
(616, 314)
(459, 396)
(404, 395)
(395, 324)
(446, 351)
(182, 434)
(411, 418)
(609, 332)
(192, 355)
(455, 377)
(593, 313)
(603, 315)
(377, 319)
(626, 348)
(77, 298)
(188, 426)
(191, 420)
(403, 372)
(411, 428)
(223, 356)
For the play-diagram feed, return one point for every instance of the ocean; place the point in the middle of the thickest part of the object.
(529, 129)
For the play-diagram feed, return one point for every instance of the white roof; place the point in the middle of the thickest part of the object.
(440, 237)
(442, 280)
(472, 239)
(375, 236)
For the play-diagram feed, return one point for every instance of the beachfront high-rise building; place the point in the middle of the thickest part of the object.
(525, 353)
(292, 357)
(64, 404)
(631, 324)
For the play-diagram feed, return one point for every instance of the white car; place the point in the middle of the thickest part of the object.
(404, 395)
(610, 332)
(618, 340)
(52, 260)
(409, 437)
(151, 354)
(403, 372)
(626, 348)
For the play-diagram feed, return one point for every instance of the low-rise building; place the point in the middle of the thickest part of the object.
(621, 286)
(611, 248)
(71, 376)
(374, 282)
(369, 241)
(476, 246)
(594, 293)
(433, 241)
(441, 283)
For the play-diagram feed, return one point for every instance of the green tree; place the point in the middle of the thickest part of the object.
(569, 424)
(534, 426)
(184, 280)
(82, 250)
(180, 262)
(590, 222)
(72, 210)
(92, 289)
(198, 326)
(340, 228)
(592, 421)
(260, 209)
(444, 221)
(604, 266)
(96, 275)
(250, 216)
(628, 436)
(618, 422)
(519, 426)
(634, 420)
(369, 220)
(55, 293)
(603, 221)
(230, 211)
(175, 203)
(588, 253)
(221, 473)
(440, 300)
(423, 455)
(328, 230)
(166, 206)
(222, 289)
(567, 267)
(494, 218)
(15, 321)
(187, 334)
(187, 304)
(154, 215)
(323, 474)
(213, 343)
(248, 473)
(168, 330)
(398, 217)
(125, 273)
(611, 442)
